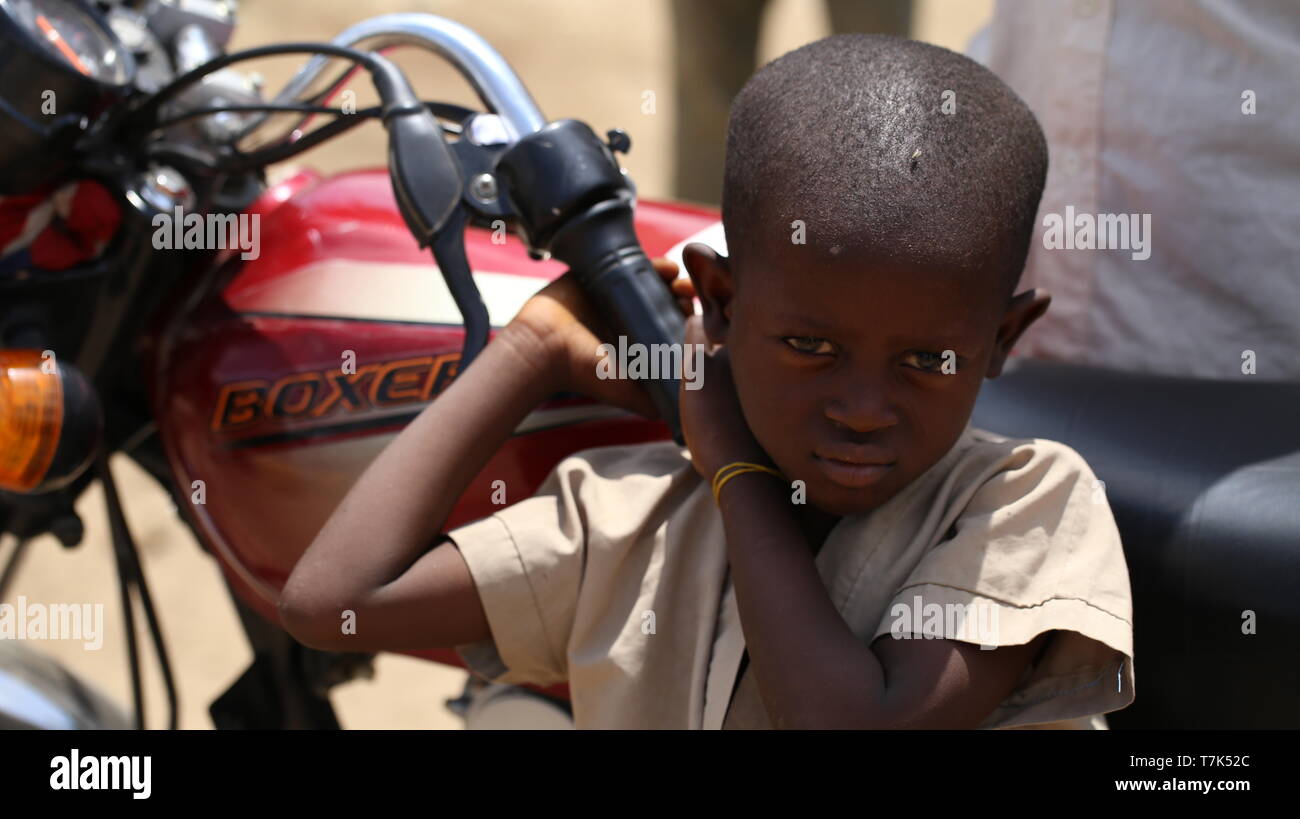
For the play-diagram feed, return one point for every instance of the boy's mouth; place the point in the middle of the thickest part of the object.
(855, 468)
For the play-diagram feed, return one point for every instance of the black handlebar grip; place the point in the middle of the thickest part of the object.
(574, 201)
(602, 250)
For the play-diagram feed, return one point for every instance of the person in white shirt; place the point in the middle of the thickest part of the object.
(1176, 122)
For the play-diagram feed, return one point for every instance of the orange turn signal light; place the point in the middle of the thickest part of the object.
(31, 418)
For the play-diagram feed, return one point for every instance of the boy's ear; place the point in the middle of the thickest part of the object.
(1024, 310)
(715, 287)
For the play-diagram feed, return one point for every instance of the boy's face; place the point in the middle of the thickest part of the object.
(854, 374)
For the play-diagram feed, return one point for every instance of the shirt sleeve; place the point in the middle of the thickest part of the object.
(1035, 550)
(526, 561)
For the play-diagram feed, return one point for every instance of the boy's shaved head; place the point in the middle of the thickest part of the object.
(851, 135)
(857, 354)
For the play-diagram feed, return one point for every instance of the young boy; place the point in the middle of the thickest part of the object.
(837, 547)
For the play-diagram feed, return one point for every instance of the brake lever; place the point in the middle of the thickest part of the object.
(429, 187)
(449, 253)
(425, 174)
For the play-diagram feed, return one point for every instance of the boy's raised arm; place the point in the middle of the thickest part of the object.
(397, 508)
(373, 555)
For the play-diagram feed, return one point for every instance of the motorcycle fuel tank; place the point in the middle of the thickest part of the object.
(306, 358)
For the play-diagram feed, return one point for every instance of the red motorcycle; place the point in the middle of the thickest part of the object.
(257, 382)
(253, 346)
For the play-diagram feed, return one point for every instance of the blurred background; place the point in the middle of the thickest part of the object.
(609, 64)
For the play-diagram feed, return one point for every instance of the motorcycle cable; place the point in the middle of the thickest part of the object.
(280, 152)
(146, 115)
(238, 162)
(271, 108)
(421, 164)
(322, 97)
(439, 109)
(228, 159)
(426, 176)
(131, 576)
(11, 565)
(132, 125)
(202, 163)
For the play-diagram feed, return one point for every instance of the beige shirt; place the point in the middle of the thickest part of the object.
(614, 577)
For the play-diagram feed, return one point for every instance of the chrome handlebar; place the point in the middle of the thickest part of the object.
(487, 71)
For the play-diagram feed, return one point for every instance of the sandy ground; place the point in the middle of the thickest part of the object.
(589, 59)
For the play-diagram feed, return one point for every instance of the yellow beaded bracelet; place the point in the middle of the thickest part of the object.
(731, 470)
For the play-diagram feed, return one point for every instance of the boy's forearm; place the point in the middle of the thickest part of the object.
(402, 501)
(811, 670)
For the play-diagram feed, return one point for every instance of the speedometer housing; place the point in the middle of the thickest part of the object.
(61, 67)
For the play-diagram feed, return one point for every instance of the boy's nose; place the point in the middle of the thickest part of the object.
(862, 410)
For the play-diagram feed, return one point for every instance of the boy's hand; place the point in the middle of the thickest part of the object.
(712, 421)
(560, 330)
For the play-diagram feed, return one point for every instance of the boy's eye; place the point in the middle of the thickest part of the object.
(927, 362)
(810, 344)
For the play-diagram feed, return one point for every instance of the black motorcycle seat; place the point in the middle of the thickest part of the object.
(1204, 479)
